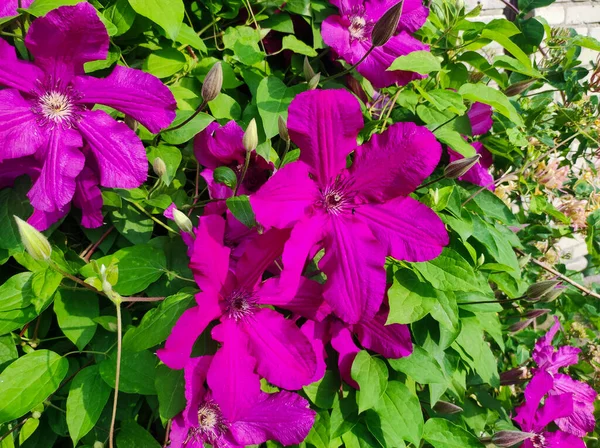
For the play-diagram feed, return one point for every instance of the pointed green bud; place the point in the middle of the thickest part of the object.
(159, 167)
(98, 444)
(225, 175)
(443, 407)
(182, 221)
(250, 139)
(387, 25)
(505, 439)
(314, 82)
(539, 289)
(213, 82)
(283, 130)
(36, 244)
(460, 167)
(309, 73)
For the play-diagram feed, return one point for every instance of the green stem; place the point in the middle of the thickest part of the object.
(149, 215)
(111, 434)
(188, 119)
(287, 148)
(349, 69)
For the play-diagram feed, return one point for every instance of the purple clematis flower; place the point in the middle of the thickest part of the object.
(550, 360)
(534, 419)
(284, 355)
(46, 112)
(8, 8)
(349, 35)
(359, 215)
(233, 411)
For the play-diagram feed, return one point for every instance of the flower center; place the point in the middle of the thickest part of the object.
(56, 105)
(240, 304)
(337, 198)
(538, 441)
(360, 27)
(211, 424)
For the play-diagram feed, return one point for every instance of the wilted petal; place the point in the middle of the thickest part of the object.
(394, 163)
(353, 263)
(561, 439)
(20, 135)
(283, 416)
(21, 75)
(409, 230)
(63, 162)
(88, 198)
(220, 145)
(324, 124)
(342, 342)
(210, 258)
(140, 95)
(480, 116)
(286, 197)
(284, 355)
(392, 341)
(119, 152)
(66, 38)
(307, 302)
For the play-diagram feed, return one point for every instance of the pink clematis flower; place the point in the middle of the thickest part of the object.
(284, 355)
(46, 112)
(534, 419)
(358, 214)
(349, 35)
(550, 360)
(233, 411)
(8, 8)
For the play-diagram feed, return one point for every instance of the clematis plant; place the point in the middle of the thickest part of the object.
(47, 115)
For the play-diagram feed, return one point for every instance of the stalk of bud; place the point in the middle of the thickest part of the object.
(250, 139)
(443, 407)
(212, 83)
(283, 130)
(314, 82)
(159, 167)
(539, 289)
(460, 167)
(309, 73)
(387, 25)
(182, 221)
(36, 244)
(507, 439)
(225, 175)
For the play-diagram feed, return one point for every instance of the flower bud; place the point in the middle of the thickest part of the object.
(131, 123)
(505, 439)
(521, 325)
(532, 314)
(213, 82)
(443, 407)
(36, 415)
(513, 376)
(182, 221)
(225, 175)
(283, 130)
(538, 289)
(460, 167)
(250, 139)
(98, 444)
(314, 82)
(159, 167)
(36, 244)
(309, 73)
(519, 87)
(551, 296)
(387, 25)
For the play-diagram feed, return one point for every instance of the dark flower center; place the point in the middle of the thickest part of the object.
(211, 424)
(56, 105)
(360, 27)
(538, 441)
(240, 304)
(337, 197)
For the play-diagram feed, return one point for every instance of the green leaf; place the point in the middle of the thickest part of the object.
(420, 366)
(455, 141)
(272, 99)
(297, 46)
(138, 372)
(371, 374)
(319, 433)
(42, 7)
(75, 311)
(496, 244)
(133, 435)
(243, 41)
(410, 299)
(28, 381)
(224, 107)
(16, 292)
(132, 224)
(361, 437)
(28, 429)
(11, 203)
(441, 433)
(586, 42)
(88, 394)
(396, 417)
(188, 36)
(445, 100)
(121, 15)
(471, 339)
(513, 48)
(8, 350)
(172, 158)
(323, 392)
(168, 14)
(157, 323)
(165, 63)
(493, 97)
(529, 5)
(189, 130)
(449, 272)
(418, 61)
(170, 388)
(240, 207)
(344, 414)
(445, 310)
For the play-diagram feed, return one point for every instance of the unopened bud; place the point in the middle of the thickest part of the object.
(513, 376)
(213, 82)
(314, 82)
(533, 314)
(519, 87)
(182, 221)
(387, 25)
(98, 444)
(505, 439)
(131, 123)
(443, 407)
(159, 167)
(309, 73)
(521, 325)
(224, 175)
(524, 260)
(250, 139)
(36, 244)
(460, 167)
(551, 296)
(283, 130)
(36, 415)
(538, 289)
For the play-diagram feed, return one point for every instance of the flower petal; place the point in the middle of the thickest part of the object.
(220, 145)
(63, 162)
(119, 152)
(334, 31)
(194, 375)
(392, 341)
(285, 198)
(66, 38)
(561, 439)
(478, 174)
(133, 92)
(342, 342)
(540, 385)
(318, 335)
(283, 416)
(88, 198)
(215, 190)
(408, 229)
(284, 355)
(11, 169)
(480, 116)
(324, 124)
(413, 16)
(20, 135)
(394, 163)
(307, 302)
(353, 263)
(43, 220)
(21, 75)
(582, 420)
(555, 407)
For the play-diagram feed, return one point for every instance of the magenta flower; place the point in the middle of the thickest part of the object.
(222, 146)
(534, 419)
(550, 360)
(359, 215)
(349, 35)
(8, 8)
(285, 357)
(233, 411)
(46, 112)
